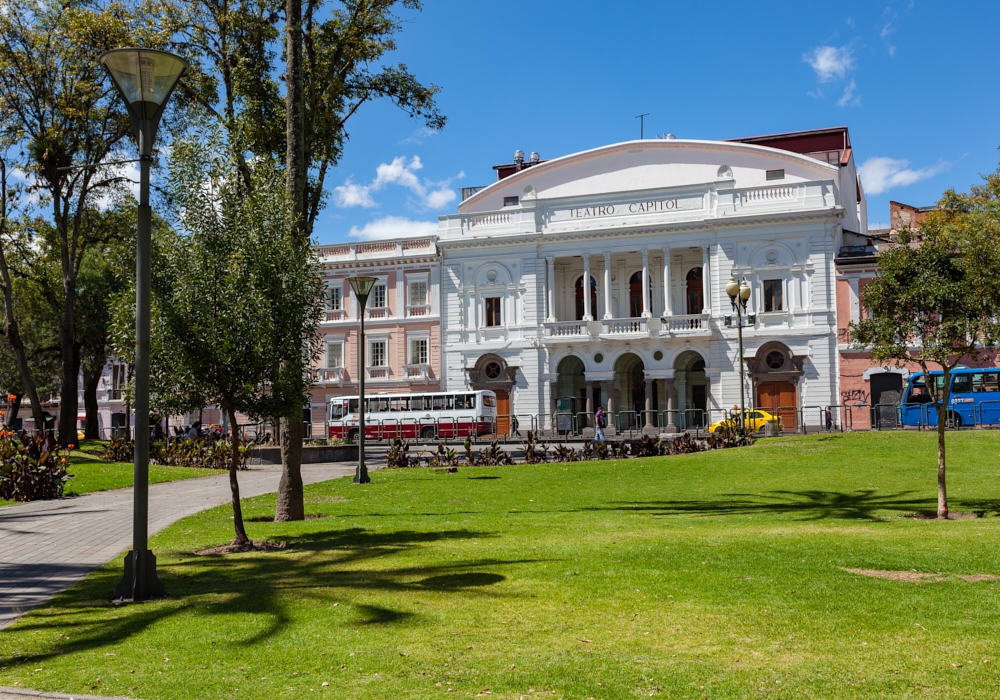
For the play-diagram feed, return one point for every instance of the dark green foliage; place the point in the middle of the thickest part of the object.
(399, 455)
(533, 455)
(648, 446)
(191, 452)
(588, 451)
(731, 435)
(444, 458)
(119, 449)
(565, 454)
(683, 445)
(492, 456)
(29, 470)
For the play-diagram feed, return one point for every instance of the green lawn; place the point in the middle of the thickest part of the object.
(91, 473)
(716, 575)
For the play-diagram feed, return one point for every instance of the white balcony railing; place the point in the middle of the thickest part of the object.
(376, 374)
(418, 373)
(565, 329)
(338, 315)
(330, 375)
(418, 310)
(625, 326)
(689, 324)
(378, 312)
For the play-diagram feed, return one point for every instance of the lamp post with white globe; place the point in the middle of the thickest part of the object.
(739, 295)
(144, 79)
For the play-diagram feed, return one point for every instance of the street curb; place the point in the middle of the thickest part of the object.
(27, 693)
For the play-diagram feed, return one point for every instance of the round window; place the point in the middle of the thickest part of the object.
(598, 358)
(658, 355)
(775, 360)
(493, 370)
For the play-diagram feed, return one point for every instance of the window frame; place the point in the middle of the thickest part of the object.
(373, 297)
(384, 342)
(414, 359)
(493, 312)
(338, 292)
(338, 343)
(778, 284)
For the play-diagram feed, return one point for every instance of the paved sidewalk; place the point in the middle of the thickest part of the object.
(46, 546)
(25, 694)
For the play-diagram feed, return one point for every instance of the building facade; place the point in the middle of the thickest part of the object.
(402, 321)
(597, 279)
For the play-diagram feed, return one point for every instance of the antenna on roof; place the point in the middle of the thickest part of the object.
(642, 124)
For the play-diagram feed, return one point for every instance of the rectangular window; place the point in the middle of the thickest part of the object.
(418, 351)
(376, 354)
(336, 301)
(418, 293)
(776, 174)
(492, 311)
(437, 403)
(962, 383)
(334, 354)
(419, 403)
(510, 201)
(489, 400)
(772, 296)
(400, 404)
(377, 298)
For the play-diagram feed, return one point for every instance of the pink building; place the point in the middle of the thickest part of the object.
(402, 321)
(863, 382)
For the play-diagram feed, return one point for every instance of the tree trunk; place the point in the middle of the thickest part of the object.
(942, 488)
(291, 504)
(13, 409)
(91, 380)
(234, 484)
(68, 394)
(13, 334)
(290, 499)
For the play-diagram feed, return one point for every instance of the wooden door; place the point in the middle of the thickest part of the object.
(503, 412)
(778, 398)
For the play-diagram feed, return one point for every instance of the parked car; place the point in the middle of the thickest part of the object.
(755, 421)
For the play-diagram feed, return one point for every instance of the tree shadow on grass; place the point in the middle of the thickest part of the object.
(315, 566)
(863, 504)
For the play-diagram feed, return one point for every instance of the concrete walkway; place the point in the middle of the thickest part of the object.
(46, 546)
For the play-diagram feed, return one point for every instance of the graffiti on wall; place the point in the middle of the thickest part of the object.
(854, 396)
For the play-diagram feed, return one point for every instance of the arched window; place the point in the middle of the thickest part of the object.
(635, 295)
(695, 293)
(579, 297)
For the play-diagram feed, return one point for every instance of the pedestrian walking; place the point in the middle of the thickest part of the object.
(829, 418)
(600, 423)
(514, 426)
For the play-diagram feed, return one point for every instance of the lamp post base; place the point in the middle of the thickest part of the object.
(146, 586)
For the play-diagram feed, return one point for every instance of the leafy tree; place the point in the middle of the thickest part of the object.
(236, 297)
(64, 112)
(936, 299)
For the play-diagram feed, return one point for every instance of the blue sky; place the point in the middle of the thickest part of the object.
(914, 80)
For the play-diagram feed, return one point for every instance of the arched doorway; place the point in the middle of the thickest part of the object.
(635, 295)
(571, 394)
(579, 298)
(492, 372)
(695, 291)
(630, 387)
(691, 385)
(775, 374)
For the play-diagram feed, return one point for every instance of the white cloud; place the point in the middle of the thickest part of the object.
(351, 194)
(829, 62)
(393, 227)
(849, 99)
(418, 136)
(879, 174)
(431, 195)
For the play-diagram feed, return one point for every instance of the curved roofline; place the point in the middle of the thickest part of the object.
(649, 143)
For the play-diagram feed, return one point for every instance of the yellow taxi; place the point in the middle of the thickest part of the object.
(755, 420)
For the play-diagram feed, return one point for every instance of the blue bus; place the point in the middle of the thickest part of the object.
(974, 398)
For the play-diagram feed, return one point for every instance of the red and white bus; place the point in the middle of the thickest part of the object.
(409, 416)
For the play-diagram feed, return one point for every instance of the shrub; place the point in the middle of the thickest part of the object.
(648, 446)
(493, 456)
(685, 444)
(533, 455)
(118, 450)
(399, 455)
(565, 454)
(444, 457)
(603, 451)
(587, 453)
(199, 452)
(731, 435)
(29, 471)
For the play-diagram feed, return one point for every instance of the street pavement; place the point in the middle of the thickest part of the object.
(47, 546)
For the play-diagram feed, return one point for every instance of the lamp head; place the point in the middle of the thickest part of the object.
(732, 288)
(744, 291)
(362, 286)
(144, 79)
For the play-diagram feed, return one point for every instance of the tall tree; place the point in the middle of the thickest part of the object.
(236, 297)
(936, 299)
(65, 113)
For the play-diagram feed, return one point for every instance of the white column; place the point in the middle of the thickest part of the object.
(667, 306)
(551, 292)
(588, 313)
(706, 303)
(434, 289)
(607, 285)
(401, 295)
(855, 299)
(645, 284)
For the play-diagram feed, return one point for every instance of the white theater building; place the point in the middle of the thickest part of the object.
(653, 230)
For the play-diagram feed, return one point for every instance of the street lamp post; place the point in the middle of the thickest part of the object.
(739, 295)
(144, 79)
(362, 287)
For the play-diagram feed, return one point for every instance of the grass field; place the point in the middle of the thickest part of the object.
(91, 473)
(716, 575)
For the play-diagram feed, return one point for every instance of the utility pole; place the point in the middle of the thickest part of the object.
(642, 125)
